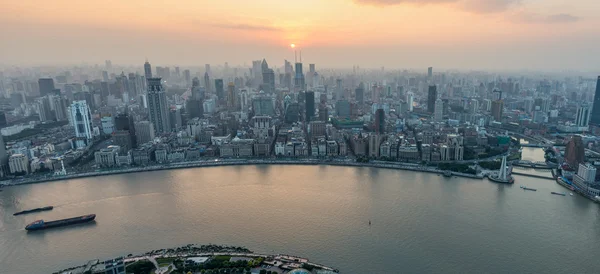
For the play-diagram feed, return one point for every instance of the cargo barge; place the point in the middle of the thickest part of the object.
(33, 210)
(40, 224)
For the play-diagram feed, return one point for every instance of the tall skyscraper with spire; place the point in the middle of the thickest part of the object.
(158, 107)
(147, 70)
(595, 119)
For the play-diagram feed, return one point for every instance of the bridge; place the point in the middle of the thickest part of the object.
(530, 164)
(533, 175)
(535, 145)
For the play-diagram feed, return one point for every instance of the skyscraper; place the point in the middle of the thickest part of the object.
(144, 132)
(431, 97)
(231, 97)
(124, 122)
(299, 79)
(497, 109)
(82, 122)
(380, 121)
(583, 116)
(310, 106)
(410, 98)
(3, 158)
(187, 77)
(60, 107)
(360, 94)
(429, 72)
(147, 70)
(439, 110)
(595, 119)
(575, 151)
(207, 82)
(219, 89)
(268, 77)
(339, 89)
(157, 106)
(46, 86)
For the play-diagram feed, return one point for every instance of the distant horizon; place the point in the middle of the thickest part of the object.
(545, 35)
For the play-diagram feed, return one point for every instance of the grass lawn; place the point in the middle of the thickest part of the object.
(162, 261)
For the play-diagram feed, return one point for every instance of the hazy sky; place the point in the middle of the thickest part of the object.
(464, 34)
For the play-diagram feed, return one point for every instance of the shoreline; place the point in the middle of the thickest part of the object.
(237, 162)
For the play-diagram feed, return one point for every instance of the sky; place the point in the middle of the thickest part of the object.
(460, 34)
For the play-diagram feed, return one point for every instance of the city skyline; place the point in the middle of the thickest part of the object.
(445, 34)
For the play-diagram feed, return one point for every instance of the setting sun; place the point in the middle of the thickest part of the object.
(293, 45)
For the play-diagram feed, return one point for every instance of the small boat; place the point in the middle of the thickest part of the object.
(526, 188)
(571, 194)
(34, 210)
(447, 174)
(558, 193)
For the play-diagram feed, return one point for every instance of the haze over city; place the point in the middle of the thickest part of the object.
(464, 34)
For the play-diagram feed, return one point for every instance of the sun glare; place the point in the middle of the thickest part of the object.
(293, 45)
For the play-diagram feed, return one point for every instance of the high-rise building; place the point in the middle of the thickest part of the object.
(439, 110)
(429, 72)
(144, 131)
(263, 106)
(207, 82)
(595, 119)
(360, 94)
(310, 106)
(44, 110)
(342, 109)
(219, 89)
(231, 97)
(431, 97)
(46, 86)
(339, 89)
(583, 116)
(124, 122)
(410, 98)
(157, 106)
(299, 79)
(147, 70)
(187, 77)
(268, 77)
(497, 109)
(60, 107)
(81, 118)
(575, 151)
(587, 173)
(380, 121)
(3, 158)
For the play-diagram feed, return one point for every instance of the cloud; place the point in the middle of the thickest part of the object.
(247, 27)
(476, 6)
(535, 18)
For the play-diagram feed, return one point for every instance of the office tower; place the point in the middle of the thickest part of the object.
(144, 131)
(299, 79)
(3, 158)
(587, 173)
(108, 65)
(231, 97)
(105, 76)
(439, 110)
(595, 119)
(380, 121)
(124, 122)
(3, 121)
(157, 106)
(310, 106)
(339, 89)
(176, 118)
(187, 77)
(194, 108)
(431, 97)
(268, 77)
(410, 98)
(583, 116)
(360, 94)
(81, 118)
(575, 151)
(323, 113)
(46, 86)
(44, 109)
(207, 69)
(342, 109)
(474, 106)
(177, 72)
(147, 71)
(497, 109)
(263, 106)
(207, 82)
(219, 89)
(430, 72)
(60, 107)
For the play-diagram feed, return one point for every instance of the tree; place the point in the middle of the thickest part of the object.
(262, 271)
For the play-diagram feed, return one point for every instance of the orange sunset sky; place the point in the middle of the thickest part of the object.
(463, 34)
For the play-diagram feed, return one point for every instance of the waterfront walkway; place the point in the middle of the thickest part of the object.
(235, 162)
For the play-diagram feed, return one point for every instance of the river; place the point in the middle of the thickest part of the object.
(421, 222)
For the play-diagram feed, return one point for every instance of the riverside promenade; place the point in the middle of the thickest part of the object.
(235, 162)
